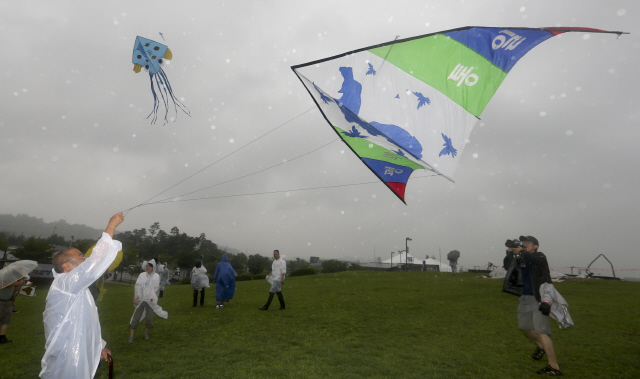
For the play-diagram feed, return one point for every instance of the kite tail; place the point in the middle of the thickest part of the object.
(169, 91)
(165, 99)
(156, 103)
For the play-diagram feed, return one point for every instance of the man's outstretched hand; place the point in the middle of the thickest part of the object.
(103, 355)
(113, 223)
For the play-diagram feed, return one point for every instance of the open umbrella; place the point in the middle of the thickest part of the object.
(453, 255)
(16, 271)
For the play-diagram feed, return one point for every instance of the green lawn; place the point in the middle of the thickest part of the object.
(352, 325)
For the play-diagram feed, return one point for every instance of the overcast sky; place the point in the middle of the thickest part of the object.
(554, 155)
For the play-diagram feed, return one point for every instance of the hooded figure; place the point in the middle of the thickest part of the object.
(146, 299)
(199, 281)
(225, 279)
(163, 271)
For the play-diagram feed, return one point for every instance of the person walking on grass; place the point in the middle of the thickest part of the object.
(6, 307)
(533, 315)
(74, 344)
(277, 274)
(199, 281)
(146, 300)
(453, 257)
(163, 271)
(225, 280)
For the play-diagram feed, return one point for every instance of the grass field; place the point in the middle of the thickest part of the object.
(352, 325)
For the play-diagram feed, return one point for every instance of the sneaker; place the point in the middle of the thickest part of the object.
(550, 371)
(217, 306)
(14, 311)
(3, 339)
(130, 340)
(221, 306)
(145, 336)
(281, 309)
(263, 308)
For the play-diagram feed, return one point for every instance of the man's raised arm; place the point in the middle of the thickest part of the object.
(113, 223)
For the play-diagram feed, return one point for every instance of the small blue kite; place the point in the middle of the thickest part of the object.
(151, 56)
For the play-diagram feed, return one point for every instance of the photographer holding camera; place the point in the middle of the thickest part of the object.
(527, 269)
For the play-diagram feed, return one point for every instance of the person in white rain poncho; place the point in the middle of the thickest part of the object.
(276, 278)
(163, 271)
(74, 344)
(146, 300)
(199, 281)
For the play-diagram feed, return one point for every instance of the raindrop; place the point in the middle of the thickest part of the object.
(373, 196)
(569, 132)
(621, 12)
(44, 128)
(426, 24)
(116, 149)
(341, 212)
(24, 90)
(475, 155)
(552, 97)
(182, 99)
(308, 243)
(213, 127)
(563, 95)
(63, 117)
(370, 146)
(586, 36)
(287, 194)
(186, 165)
(341, 151)
(522, 9)
(578, 88)
(231, 140)
(75, 145)
(228, 60)
(607, 186)
(115, 22)
(134, 136)
(130, 105)
(543, 113)
(611, 71)
(15, 94)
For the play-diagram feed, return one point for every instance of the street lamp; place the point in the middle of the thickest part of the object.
(406, 257)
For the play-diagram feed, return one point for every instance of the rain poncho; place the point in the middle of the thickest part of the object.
(163, 271)
(225, 279)
(147, 291)
(199, 278)
(71, 325)
(559, 306)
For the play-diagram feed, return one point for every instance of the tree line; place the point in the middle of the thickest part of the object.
(178, 249)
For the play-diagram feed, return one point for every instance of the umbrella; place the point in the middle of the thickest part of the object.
(453, 255)
(16, 271)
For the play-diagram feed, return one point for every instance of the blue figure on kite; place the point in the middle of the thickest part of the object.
(151, 56)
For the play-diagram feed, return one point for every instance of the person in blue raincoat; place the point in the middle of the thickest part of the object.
(225, 279)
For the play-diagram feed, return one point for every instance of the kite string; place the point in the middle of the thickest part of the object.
(219, 160)
(173, 200)
(247, 175)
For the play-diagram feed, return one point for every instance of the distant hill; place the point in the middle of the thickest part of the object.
(32, 226)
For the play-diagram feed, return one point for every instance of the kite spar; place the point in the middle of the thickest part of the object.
(411, 104)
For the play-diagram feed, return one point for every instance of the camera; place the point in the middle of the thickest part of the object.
(514, 243)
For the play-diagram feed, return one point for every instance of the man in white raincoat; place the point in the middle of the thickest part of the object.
(145, 300)
(276, 278)
(74, 345)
